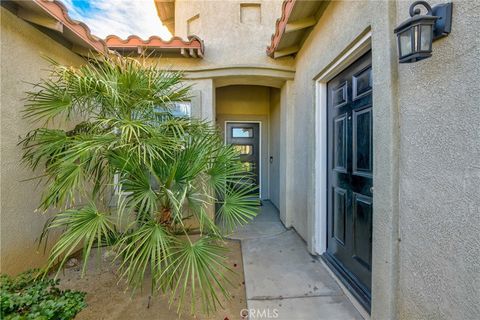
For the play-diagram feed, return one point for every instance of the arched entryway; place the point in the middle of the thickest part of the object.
(249, 118)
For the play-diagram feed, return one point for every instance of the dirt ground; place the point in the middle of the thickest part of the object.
(109, 300)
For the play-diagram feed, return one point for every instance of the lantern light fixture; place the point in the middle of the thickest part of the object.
(415, 35)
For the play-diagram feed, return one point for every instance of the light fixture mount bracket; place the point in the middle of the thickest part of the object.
(443, 25)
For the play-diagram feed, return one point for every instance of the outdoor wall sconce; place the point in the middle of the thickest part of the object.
(415, 35)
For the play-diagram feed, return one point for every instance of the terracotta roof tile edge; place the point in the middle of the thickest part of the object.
(60, 12)
(193, 42)
(281, 23)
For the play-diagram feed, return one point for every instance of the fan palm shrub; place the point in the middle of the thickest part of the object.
(170, 174)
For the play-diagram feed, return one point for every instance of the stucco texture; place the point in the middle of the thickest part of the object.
(439, 194)
(229, 40)
(22, 48)
(234, 48)
(274, 147)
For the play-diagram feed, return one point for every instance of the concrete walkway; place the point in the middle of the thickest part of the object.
(283, 279)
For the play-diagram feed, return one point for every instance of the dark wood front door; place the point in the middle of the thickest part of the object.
(245, 137)
(349, 182)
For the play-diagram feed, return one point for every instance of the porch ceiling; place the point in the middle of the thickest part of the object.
(293, 27)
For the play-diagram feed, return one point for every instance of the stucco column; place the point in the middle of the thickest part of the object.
(203, 107)
(385, 259)
(286, 154)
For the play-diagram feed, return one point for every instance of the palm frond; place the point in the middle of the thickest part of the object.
(139, 193)
(238, 207)
(146, 248)
(108, 86)
(42, 145)
(226, 169)
(86, 227)
(197, 270)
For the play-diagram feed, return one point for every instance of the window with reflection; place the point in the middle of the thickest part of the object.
(242, 133)
(181, 109)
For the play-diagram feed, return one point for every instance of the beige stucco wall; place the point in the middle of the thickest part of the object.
(228, 40)
(234, 50)
(253, 100)
(287, 162)
(426, 171)
(22, 47)
(439, 223)
(274, 147)
(202, 99)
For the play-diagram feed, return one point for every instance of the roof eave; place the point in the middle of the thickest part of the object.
(298, 18)
(191, 48)
(166, 13)
(36, 11)
(280, 24)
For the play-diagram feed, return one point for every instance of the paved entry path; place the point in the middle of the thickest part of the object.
(283, 279)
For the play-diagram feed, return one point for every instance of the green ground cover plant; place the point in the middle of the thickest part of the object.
(26, 297)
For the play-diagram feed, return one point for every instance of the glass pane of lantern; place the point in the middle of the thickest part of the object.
(426, 38)
(405, 41)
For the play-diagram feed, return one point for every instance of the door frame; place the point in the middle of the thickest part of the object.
(259, 147)
(358, 48)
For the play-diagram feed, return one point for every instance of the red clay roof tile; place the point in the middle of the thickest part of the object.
(154, 42)
(193, 47)
(287, 7)
(58, 10)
